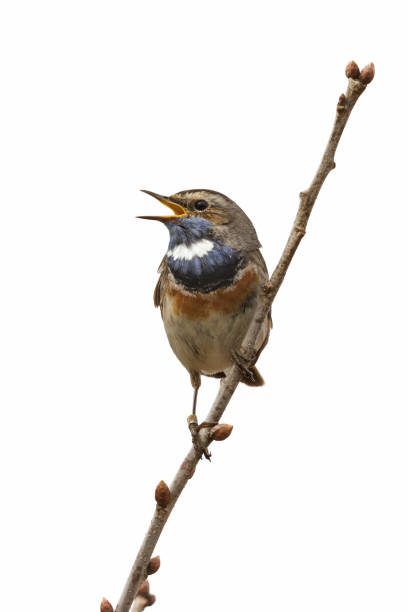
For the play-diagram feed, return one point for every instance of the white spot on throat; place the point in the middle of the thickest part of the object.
(195, 249)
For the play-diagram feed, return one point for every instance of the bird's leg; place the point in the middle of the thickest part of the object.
(195, 396)
(192, 422)
(192, 419)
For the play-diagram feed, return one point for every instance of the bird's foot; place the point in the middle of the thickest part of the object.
(245, 364)
(205, 424)
(195, 428)
(267, 289)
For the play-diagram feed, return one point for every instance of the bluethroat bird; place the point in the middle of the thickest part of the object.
(210, 280)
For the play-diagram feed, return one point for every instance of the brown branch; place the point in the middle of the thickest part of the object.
(356, 85)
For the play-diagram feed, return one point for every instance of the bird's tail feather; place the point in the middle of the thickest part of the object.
(253, 378)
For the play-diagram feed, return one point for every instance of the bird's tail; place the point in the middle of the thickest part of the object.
(253, 378)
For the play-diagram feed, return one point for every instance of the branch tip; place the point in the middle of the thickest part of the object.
(221, 432)
(367, 74)
(162, 494)
(153, 565)
(352, 71)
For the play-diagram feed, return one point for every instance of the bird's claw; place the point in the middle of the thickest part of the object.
(244, 363)
(267, 289)
(205, 424)
(195, 428)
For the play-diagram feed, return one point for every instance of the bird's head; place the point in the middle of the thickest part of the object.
(203, 213)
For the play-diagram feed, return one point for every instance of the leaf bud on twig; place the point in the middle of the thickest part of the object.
(352, 70)
(162, 494)
(144, 588)
(341, 103)
(220, 432)
(153, 565)
(367, 74)
(106, 606)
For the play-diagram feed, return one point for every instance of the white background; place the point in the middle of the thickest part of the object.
(305, 506)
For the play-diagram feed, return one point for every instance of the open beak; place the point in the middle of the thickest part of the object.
(178, 210)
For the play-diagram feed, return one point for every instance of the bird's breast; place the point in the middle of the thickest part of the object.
(226, 300)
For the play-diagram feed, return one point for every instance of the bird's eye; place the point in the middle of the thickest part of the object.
(201, 205)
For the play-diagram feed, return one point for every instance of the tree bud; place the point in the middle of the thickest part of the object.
(367, 74)
(153, 565)
(106, 606)
(220, 432)
(144, 588)
(352, 70)
(162, 494)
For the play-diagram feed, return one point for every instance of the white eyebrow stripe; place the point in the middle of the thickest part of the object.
(187, 252)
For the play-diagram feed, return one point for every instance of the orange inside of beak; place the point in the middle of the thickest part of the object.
(179, 211)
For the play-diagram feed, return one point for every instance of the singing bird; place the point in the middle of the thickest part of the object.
(210, 281)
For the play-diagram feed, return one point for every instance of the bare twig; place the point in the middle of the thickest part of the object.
(356, 85)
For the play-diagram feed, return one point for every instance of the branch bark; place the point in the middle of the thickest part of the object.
(356, 86)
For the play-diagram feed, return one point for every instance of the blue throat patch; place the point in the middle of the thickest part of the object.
(214, 269)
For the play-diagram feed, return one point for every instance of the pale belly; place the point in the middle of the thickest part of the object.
(205, 344)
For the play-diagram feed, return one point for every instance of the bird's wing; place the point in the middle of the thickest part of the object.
(160, 288)
(257, 258)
